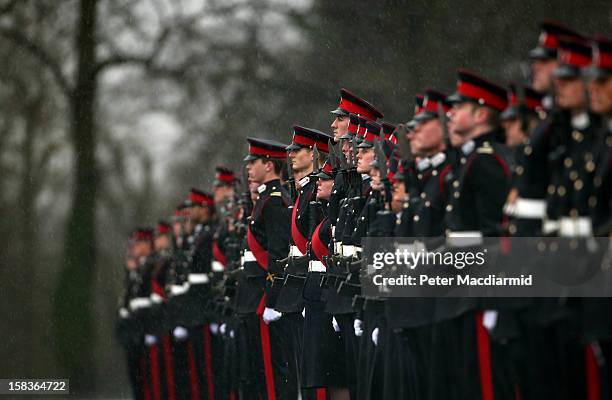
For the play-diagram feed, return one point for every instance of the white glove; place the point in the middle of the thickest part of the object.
(335, 324)
(304, 313)
(489, 319)
(150, 340)
(271, 315)
(375, 336)
(214, 328)
(180, 333)
(222, 329)
(358, 326)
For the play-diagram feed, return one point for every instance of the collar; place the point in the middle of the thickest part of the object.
(365, 177)
(304, 181)
(261, 188)
(468, 147)
(580, 121)
(438, 159)
(423, 164)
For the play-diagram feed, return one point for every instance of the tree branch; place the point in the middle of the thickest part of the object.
(39, 53)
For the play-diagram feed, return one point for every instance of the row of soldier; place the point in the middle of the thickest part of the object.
(254, 291)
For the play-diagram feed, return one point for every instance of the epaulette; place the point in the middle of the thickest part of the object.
(485, 150)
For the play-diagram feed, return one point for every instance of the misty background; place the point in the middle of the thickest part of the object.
(110, 110)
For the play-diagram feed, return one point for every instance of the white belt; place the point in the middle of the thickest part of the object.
(350, 250)
(464, 238)
(294, 251)
(177, 290)
(155, 298)
(575, 227)
(197, 279)
(527, 208)
(316, 266)
(549, 226)
(333, 231)
(140, 302)
(338, 247)
(217, 266)
(248, 256)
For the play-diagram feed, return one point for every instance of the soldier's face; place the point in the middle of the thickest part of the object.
(324, 188)
(461, 123)
(410, 136)
(346, 148)
(428, 137)
(257, 171)
(514, 132)
(569, 93)
(375, 175)
(142, 248)
(301, 159)
(600, 94)
(222, 192)
(339, 126)
(541, 71)
(177, 228)
(364, 160)
(399, 196)
(162, 242)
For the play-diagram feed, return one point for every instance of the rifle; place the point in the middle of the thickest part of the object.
(291, 180)
(384, 177)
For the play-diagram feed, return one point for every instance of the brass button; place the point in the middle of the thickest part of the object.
(573, 213)
(456, 195)
(590, 166)
(416, 218)
(434, 172)
(551, 189)
(568, 162)
(577, 136)
(512, 229)
(423, 195)
(528, 150)
(578, 185)
(456, 184)
(561, 191)
(592, 201)
(519, 170)
(573, 175)
(427, 203)
(449, 208)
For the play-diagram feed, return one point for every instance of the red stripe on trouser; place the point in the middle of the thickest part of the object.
(193, 373)
(208, 362)
(592, 374)
(267, 359)
(484, 358)
(154, 368)
(146, 393)
(168, 364)
(321, 394)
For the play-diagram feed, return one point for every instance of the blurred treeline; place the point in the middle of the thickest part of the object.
(111, 109)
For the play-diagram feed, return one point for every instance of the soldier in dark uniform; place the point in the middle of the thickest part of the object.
(348, 186)
(476, 191)
(201, 216)
(304, 214)
(268, 238)
(322, 366)
(596, 326)
(570, 202)
(409, 320)
(130, 325)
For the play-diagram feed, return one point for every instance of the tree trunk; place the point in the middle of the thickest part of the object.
(74, 298)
